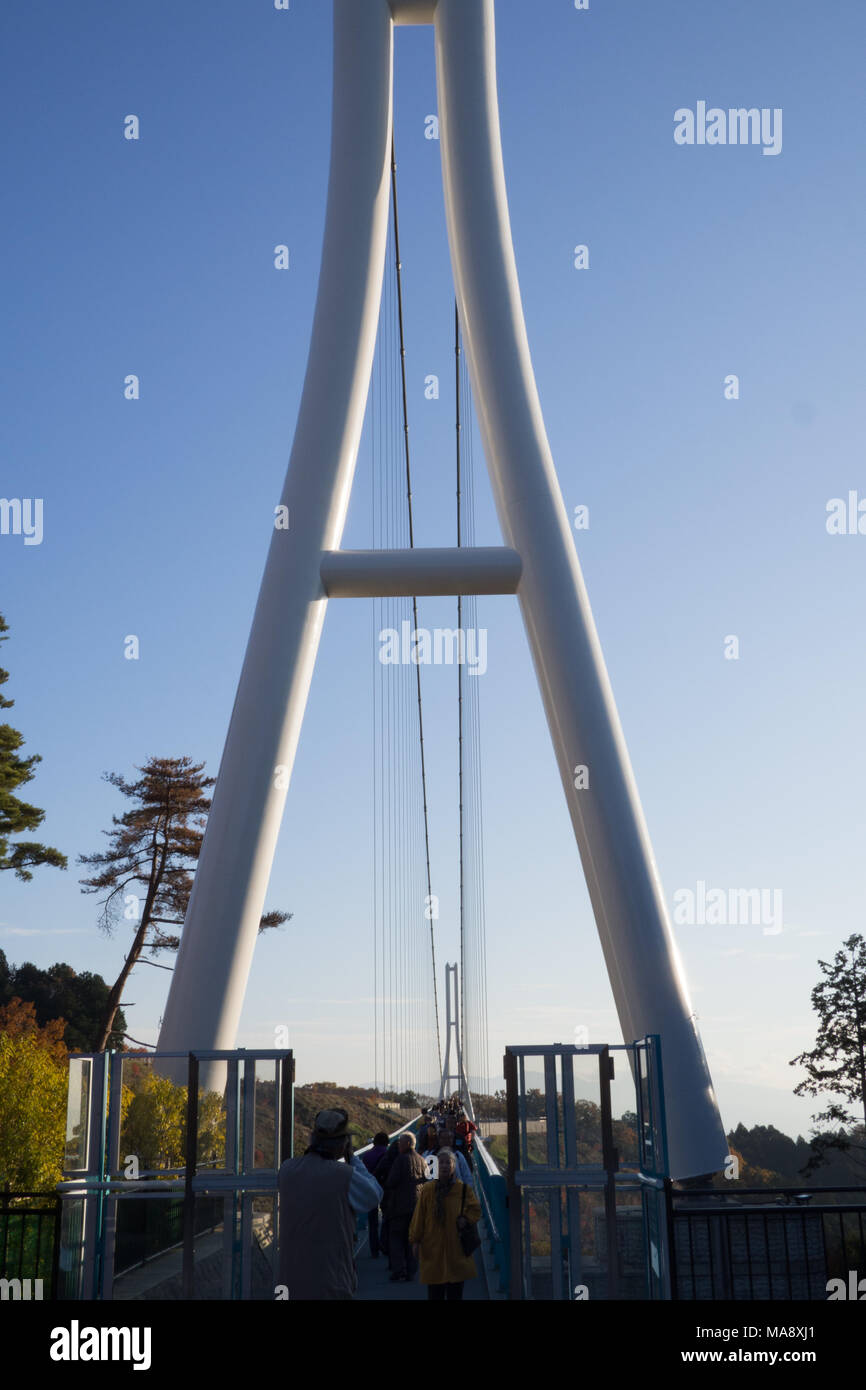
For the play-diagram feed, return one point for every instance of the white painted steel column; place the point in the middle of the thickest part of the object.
(221, 926)
(641, 954)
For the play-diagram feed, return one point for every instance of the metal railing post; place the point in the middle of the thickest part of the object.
(189, 1193)
(514, 1199)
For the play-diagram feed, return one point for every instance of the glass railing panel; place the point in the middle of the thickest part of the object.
(153, 1113)
(77, 1114)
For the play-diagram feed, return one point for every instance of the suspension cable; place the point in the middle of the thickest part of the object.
(414, 597)
(461, 1001)
(473, 930)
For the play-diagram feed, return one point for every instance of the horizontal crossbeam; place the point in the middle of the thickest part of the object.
(420, 572)
(413, 11)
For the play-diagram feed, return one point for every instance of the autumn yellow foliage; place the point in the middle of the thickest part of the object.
(154, 1124)
(33, 1080)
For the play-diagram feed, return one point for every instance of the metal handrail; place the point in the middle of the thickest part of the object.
(492, 1170)
(7, 1196)
(264, 1181)
(401, 1130)
(777, 1191)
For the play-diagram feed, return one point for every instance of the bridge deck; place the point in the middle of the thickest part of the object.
(374, 1284)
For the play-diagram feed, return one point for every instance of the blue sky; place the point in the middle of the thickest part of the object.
(707, 515)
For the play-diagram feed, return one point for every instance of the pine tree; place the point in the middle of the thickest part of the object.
(837, 1063)
(15, 815)
(155, 846)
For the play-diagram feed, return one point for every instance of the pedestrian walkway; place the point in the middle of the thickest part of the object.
(374, 1284)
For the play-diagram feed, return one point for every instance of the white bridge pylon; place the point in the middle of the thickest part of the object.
(452, 1032)
(539, 562)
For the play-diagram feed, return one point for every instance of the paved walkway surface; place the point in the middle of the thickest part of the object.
(374, 1284)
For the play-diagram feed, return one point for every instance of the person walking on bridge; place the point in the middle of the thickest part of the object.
(381, 1172)
(463, 1173)
(463, 1132)
(405, 1180)
(371, 1160)
(435, 1234)
(321, 1194)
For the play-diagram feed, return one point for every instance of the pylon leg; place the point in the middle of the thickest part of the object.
(219, 934)
(639, 948)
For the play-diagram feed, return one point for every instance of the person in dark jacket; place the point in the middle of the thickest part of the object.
(407, 1176)
(386, 1162)
(383, 1168)
(428, 1140)
(371, 1160)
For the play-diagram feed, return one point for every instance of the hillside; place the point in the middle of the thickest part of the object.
(365, 1118)
(767, 1157)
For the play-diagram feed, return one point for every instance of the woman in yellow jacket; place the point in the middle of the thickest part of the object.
(434, 1233)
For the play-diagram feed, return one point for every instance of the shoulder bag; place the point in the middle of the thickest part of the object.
(467, 1230)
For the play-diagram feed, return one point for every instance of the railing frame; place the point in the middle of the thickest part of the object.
(720, 1208)
(51, 1212)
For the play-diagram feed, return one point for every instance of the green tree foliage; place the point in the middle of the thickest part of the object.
(33, 1076)
(837, 1063)
(59, 992)
(765, 1147)
(490, 1107)
(146, 874)
(406, 1100)
(748, 1173)
(154, 1125)
(15, 815)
